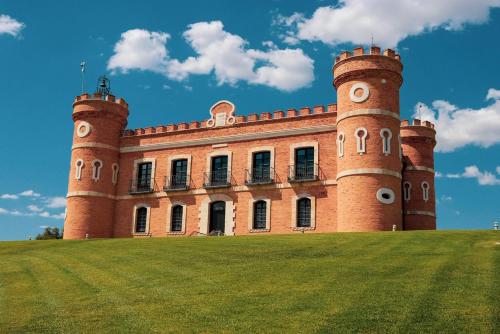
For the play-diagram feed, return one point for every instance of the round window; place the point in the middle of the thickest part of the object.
(386, 195)
(83, 129)
(359, 92)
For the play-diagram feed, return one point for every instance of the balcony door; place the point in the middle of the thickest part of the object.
(219, 170)
(217, 217)
(261, 170)
(304, 163)
(179, 173)
(144, 176)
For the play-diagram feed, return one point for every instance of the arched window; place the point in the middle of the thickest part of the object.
(176, 221)
(400, 148)
(78, 169)
(340, 144)
(425, 190)
(304, 212)
(114, 178)
(141, 216)
(96, 169)
(360, 135)
(386, 135)
(407, 191)
(259, 215)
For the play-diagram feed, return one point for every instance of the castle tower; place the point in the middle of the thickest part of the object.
(419, 202)
(368, 149)
(99, 121)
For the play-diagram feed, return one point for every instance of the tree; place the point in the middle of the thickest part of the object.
(50, 233)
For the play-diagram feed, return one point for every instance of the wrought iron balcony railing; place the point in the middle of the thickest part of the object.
(176, 182)
(140, 186)
(260, 175)
(303, 172)
(217, 179)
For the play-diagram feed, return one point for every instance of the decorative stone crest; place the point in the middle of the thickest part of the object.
(83, 129)
(222, 114)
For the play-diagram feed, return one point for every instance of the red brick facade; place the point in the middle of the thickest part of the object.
(340, 168)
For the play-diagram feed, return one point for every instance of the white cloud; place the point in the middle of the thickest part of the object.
(388, 21)
(46, 214)
(217, 51)
(438, 174)
(3, 211)
(446, 198)
(140, 49)
(483, 178)
(29, 193)
(9, 196)
(498, 170)
(34, 208)
(457, 127)
(10, 26)
(56, 202)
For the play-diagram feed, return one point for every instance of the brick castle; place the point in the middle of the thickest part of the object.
(353, 166)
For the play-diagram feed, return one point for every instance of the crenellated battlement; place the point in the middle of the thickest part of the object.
(373, 51)
(240, 120)
(98, 96)
(417, 122)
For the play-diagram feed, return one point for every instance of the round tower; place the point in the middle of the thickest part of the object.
(419, 202)
(98, 123)
(368, 148)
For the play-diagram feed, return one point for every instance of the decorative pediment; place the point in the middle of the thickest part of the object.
(221, 114)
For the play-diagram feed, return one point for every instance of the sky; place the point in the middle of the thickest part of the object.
(171, 62)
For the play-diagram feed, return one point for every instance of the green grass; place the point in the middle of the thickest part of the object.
(399, 282)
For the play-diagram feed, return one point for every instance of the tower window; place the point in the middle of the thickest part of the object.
(425, 190)
(96, 169)
(386, 135)
(407, 191)
(340, 144)
(304, 212)
(177, 218)
(78, 169)
(360, 135)
(141, 216)
(259, 215)
(114, 178)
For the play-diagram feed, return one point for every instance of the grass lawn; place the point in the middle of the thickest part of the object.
(394, 282)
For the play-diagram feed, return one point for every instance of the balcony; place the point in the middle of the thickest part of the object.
(303, 173)
(217, 179)
(140, 186)
(258, 176)
(176, 182)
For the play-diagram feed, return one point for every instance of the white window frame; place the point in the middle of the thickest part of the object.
(425, 190)
(295, 199)
(386, 140)
(204, 213)
(153, 169)
(361, 140)
(169, 218)
(340, 144)
(96, 171)
(251, 204)
(79, 164)
(180, 157)
(407, 191)
(115, 169)
(134, 218)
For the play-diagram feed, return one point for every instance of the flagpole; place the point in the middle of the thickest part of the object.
(82, 68)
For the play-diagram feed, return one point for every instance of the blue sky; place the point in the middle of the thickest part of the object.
(172, 62)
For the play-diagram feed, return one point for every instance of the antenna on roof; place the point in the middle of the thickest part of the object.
(372, 41)
(419, 111)
(103, 86)
(82, 69)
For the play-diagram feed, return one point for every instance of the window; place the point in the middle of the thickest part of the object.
(177, 218)
(78, 169)
(219, 172)
(141, 216)
(425, 191)
(386, 135)
(407, 191)
(114, 178)
(304, 212)
(179, 176)
(96, 169)
(340, 144)
(304, 163)
(144, 176)
(400, 148)
(259, 215)
(360, 135)
(261, 167)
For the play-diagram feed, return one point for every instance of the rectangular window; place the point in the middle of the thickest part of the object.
(261, 167)
(259, 215)
(219, 171)
(179, 173)
(176, 219)
(304, 163)
(304, 212)
(144, 175)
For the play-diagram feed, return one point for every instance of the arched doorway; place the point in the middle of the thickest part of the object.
(217, 217)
